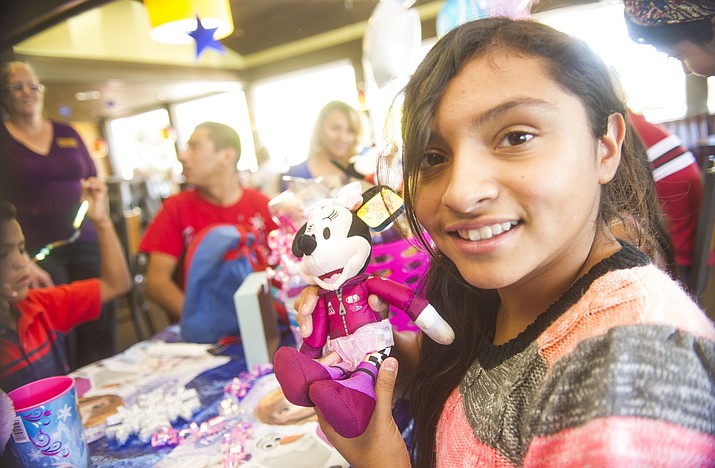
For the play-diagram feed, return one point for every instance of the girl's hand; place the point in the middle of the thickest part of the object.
(381, 444)
(95, 191)
(308, 299)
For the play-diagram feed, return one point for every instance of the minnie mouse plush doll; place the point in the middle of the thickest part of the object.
(335, 246)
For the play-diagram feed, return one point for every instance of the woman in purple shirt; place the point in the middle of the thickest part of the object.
(41, 165)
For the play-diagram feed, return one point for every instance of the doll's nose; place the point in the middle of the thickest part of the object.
(307, 244)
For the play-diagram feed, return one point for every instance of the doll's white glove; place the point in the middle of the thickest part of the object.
(434, 326)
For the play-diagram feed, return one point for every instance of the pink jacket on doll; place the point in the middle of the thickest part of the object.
(327, 320)
(335, 246)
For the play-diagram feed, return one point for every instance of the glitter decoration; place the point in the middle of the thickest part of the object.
(237, 389)
(154, 412)
(229, 418)
(233, 446)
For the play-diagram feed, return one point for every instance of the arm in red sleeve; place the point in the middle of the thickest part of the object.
(397, 295)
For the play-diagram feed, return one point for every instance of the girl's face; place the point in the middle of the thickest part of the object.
(24, 102)
(509, 184)
(338, 138)
(14, 261)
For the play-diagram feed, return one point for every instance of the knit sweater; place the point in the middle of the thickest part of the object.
(620, 371)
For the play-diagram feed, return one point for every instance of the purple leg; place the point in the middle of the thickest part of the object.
(296, 372)
(347, 405)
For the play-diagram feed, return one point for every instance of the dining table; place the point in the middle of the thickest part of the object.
(239, 416)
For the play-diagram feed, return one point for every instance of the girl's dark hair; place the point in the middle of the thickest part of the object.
(698, 32)
(581, 73)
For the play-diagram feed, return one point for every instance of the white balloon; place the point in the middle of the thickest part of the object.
(392, 41)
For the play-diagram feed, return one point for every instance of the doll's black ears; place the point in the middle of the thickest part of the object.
(381, 206)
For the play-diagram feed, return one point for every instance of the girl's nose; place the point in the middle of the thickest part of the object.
(470, 186)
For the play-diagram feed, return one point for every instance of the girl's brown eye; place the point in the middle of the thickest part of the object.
(432, 159)
(515, 139)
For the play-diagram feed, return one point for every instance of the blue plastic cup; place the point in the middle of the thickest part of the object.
(47, 430)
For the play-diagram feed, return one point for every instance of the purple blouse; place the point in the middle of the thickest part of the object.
(46, 189)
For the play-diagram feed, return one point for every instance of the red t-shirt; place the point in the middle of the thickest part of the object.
(183, 215)
(37, 349)
(678, 184)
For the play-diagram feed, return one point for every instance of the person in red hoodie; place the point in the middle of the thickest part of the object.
(678, 185)
(34, 322)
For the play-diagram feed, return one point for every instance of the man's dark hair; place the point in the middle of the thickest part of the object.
(223, 136)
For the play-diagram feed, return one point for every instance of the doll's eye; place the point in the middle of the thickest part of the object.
(326, 233)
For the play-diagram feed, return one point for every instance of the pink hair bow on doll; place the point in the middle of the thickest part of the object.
(335, 247)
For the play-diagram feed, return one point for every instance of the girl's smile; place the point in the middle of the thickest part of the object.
(486, 232)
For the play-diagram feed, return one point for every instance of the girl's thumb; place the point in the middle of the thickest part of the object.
(385, 386)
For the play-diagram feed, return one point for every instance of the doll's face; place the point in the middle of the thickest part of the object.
(275, 409)
(334, 254)
(14, 262)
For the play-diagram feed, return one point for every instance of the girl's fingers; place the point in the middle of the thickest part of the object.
(385, 387)
(378, 305)
(304, 306)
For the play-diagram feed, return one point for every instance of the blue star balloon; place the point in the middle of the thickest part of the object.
(205, 38)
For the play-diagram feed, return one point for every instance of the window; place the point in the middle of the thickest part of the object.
(141, 145)
(654, 83)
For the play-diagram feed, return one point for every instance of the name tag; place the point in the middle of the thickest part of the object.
(67, 142)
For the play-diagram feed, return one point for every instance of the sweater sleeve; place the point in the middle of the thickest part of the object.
(645, 398)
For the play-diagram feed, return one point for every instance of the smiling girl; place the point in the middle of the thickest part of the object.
(571, 347)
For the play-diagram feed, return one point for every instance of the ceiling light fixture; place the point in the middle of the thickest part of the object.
(173, 20)
(88, 95)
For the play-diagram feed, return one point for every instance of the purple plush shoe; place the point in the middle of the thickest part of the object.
(346, 405)
(295, 373)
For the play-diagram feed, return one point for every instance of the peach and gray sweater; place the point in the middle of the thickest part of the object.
(620, 371)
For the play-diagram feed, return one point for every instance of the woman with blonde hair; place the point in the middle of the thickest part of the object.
(337, 137)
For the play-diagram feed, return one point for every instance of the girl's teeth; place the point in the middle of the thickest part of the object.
(486, 232)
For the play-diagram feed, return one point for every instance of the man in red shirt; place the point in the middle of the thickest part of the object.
(215, 196)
